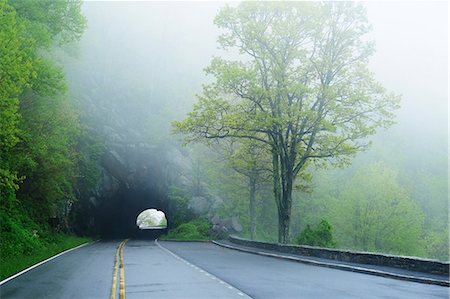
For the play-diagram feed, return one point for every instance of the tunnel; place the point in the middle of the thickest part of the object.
(116, 216)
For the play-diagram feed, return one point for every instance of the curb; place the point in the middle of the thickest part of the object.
(43, 262)
(363, 270)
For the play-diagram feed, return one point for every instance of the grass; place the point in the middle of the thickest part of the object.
(16, 263)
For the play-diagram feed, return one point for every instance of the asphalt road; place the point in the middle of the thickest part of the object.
(204, 270)
(267, 277)
(83, 273)
(150, 272)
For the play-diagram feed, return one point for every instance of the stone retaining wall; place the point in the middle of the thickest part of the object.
(403, 262)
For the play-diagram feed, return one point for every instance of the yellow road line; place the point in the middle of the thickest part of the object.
(113, 288)
(119, 257)
(122, 273)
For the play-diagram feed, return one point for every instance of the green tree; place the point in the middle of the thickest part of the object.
(15, 74)
(38, 125)
(383, 216)
(251, 160)
(46, 155)
(178, 202)
(51, 22)
(303, 88)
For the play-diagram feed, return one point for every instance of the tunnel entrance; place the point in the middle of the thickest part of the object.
(117, 216)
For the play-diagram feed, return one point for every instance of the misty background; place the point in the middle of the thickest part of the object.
(139, 66)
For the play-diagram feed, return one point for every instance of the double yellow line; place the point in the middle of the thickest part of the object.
(118, 264)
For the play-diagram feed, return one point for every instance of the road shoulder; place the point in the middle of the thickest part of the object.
(353, 267)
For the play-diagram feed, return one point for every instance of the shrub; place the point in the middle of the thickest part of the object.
(321, 235)
(197, 229)
(25, 242)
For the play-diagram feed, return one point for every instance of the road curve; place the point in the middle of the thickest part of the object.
(198, 270)
(267, 277)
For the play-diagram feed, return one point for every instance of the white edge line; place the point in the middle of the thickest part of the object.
(338, 266)
(42, 262)
(220, 280)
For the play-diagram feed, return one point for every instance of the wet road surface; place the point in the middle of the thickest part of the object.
(199, 270)
(267, 277)
(150, 271)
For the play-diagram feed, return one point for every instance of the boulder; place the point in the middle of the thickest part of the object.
(225, 226)
(198, 205)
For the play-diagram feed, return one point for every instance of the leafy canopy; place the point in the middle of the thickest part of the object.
(302, 85)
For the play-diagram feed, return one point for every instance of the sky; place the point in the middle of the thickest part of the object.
(411, 56)
(161, 41)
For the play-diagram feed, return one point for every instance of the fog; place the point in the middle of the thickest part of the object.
(139, 66)
(412, 59)
(162, 48)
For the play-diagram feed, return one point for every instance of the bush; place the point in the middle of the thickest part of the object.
(197, 229)
(321, 235)
(178, 200)
(19, 235)
(25, 242)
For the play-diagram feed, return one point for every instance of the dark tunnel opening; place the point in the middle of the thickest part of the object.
(116, 217)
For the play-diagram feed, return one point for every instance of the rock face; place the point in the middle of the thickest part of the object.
(136, 175)
(141, 161)
(114, 165)
(131, 109)
(225, 226)
(135, 178)
(199, 205)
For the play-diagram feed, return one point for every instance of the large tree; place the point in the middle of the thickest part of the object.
(301, 86)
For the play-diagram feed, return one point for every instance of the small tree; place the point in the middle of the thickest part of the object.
(251, 160)
(303, 88)
(383, 216)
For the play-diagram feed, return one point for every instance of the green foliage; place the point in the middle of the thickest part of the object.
(408, 228)
(320, 235)
(384, 217)
(39, 129)
(89, 150)
(50, 22)
(303, 90)
(49, 147)
(436, 244)
(197, 229)
(15, 62)
(179, 205)
(15, 74)
(25, 242)
(19, 235)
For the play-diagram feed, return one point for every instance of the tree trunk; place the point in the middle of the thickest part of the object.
(284, 211)
(284, 214)
(252, 187)
(283, 180)
(284, 219)
(277, 190)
